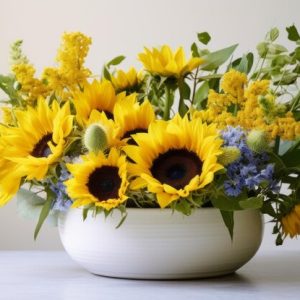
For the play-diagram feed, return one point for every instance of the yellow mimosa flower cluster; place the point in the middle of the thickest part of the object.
(68, 77)
(70, 74)
(30, 86)
(241, 105)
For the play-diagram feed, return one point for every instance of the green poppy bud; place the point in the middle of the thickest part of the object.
(229, 155)
(95, 138)
(257, 141)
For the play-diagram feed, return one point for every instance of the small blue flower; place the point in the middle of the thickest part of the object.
(62, 201)
(232, 188)
(250, 170)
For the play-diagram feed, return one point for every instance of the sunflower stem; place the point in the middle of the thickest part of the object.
(168, 103)
(181, 108)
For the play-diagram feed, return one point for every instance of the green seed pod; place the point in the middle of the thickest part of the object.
(229, 155)
(257, 141)
(95, 138)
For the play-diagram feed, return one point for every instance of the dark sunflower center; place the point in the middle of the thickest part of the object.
(108, 114)
(104, 183)
(41, 148)
(176, 167)
(128, 134)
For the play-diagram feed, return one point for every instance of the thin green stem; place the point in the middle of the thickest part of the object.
(194, 85)
(235, 110)
(256, 66)
(277, 144)
(261, 66)
(168, 102)
(181, 107)
(295, 102)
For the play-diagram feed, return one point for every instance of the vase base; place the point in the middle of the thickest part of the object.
(183, 276)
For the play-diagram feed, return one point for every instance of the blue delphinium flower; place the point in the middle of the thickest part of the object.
(250, 170)
(62, 201)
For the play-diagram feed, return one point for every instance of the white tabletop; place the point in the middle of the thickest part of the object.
(271, 274)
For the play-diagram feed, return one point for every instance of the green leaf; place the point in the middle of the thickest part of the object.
(204, 37)
(297, 53)
(287, 79)
(183, 206)
(296, 115)
(115, 61)
(229, 221)
(279, 163)
(224, 203)
(279, 240)
(194, 50)
(292, 159)
(7, 85)
(85, 213)
(124, 216)
(267, 208)
(251, 203)
(263, 49)
(201, 94)
(211, 76)
(43, 216)
(243, 65)
(276, 49)
(29, 205)
(186, 91)
(273, 34)
(215, 59)
(289, 146)
(293, 34)
(275, 230)
(106, 73)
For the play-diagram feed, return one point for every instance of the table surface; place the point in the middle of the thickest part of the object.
(271, 274)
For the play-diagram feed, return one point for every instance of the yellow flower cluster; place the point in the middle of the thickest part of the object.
(31, 87)
(233, 85)
(242, 104)
(70, 74)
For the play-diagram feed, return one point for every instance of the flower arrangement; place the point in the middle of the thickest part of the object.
(181, 133)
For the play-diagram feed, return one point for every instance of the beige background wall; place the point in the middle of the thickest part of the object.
(124, 27)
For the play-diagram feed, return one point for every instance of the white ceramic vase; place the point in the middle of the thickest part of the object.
(156, 244)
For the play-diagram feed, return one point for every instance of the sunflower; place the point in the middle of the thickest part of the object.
(291, 222)
(9, 179)
(125, 80)
(38, 141)
(99, 96)
(99, 180)
(174, 158)
(131, 117)
(166, 63)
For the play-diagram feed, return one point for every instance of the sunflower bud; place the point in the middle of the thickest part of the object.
(229, 155)
(257, 141)
(95, 138)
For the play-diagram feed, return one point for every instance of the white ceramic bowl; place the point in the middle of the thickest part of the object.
(156, 244)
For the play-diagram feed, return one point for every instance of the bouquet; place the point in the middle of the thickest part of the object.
(182, 133)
